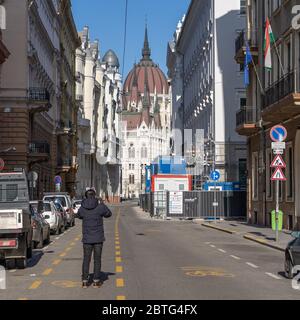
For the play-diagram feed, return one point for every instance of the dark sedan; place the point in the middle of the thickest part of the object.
(292, 255)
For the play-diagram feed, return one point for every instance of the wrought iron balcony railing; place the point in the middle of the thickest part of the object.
(246, 115)
(39, 94)
(244, 36)
(37, 147)
(280, 89)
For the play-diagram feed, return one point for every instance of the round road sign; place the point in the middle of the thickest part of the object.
(2, 164)
(215, 175)
(278, 133)
(57, 180)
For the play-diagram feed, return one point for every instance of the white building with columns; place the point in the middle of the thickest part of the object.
(99, 85)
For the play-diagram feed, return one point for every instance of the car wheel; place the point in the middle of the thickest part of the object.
(47, 241)
(21, 263)
(41, 242)
(289, 268)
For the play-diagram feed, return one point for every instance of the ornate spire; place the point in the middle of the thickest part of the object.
(146, 98)
(146, 49)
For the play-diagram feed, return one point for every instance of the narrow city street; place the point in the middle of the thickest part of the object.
(147, 259)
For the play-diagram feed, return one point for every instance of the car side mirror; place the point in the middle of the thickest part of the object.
(47, 217)
(295, 234)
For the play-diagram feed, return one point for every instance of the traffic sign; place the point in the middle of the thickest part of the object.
(58, 180)
(2, 164)
(278, 162)
(279, 145)
(278, 134)
(215, 175)
(278, 175)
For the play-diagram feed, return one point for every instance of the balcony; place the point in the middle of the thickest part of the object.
(39, 151)
(39, 99)
(64, 165)
(244, 36)
(282, 99)
(246, 121)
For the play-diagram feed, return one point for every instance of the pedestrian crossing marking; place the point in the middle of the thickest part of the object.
(118, 259)
(121, 298)
(118, 253)
(47, 272)
(56, 262)
(62, 254)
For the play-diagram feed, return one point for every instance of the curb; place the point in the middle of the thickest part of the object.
(208, 225)
(263, 242)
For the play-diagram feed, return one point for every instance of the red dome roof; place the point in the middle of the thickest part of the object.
(145, 71)
(157, 81)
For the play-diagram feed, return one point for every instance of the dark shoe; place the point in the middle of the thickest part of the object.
(97, 284)
(85, 284)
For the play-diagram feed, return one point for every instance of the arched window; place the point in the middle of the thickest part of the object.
(144, 151)
(131, 152)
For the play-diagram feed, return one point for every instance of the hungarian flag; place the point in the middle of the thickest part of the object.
(269, 40)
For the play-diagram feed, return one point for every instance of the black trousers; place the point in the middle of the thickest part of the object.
(88, 250)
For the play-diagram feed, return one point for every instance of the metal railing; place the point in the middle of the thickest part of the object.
(244, 36)
(39, 147)
(280, 89)
(39, 94)
(246, 115)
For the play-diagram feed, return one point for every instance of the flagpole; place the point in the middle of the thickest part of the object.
(261, 87)
(277, 52)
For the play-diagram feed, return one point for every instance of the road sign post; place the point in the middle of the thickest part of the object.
(278, 135)
(215, 176)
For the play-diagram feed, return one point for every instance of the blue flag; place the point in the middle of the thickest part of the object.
(248, 59)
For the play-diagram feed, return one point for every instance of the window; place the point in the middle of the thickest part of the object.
(131, 179)
(269, 172)
(243, 6)
(161, 187)
(144, 151)
(243, 102)
(131, 152)
(181, 187)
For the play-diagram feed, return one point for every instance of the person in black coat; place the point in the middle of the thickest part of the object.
(92, 213)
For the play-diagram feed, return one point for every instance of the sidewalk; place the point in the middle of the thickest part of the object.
(259, 234)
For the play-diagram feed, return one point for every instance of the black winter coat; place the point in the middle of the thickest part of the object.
(92, 214)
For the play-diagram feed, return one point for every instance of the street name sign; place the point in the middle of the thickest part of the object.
(278, 175)
(278, 162)
(278, 133)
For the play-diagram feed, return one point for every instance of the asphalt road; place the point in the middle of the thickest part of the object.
(154, 260)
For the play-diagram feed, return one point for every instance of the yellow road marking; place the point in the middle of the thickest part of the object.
(121, 298)
(66, 284)
(117, 242)
(118, 253)
(56, 262)
(35, 285)
(118, 259)
(72, 244)
(68, 249)
(47, 272)
(23, 299)
(119, 269)
(62, 254)
(120, 283)
(118, 247)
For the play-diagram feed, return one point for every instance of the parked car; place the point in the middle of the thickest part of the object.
(292, 255)
(65, 200)
(76, 206)
(52, 216)
(62, 212)
(15, 220)
(40, 227)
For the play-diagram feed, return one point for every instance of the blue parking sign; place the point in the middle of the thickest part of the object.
(215, 175)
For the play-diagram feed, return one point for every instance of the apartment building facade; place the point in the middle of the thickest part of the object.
(206, 89)
(32, 86)
(273, 97)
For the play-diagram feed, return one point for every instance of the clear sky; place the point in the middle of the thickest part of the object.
(106, 21)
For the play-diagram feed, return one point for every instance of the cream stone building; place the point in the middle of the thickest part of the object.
(98, 97)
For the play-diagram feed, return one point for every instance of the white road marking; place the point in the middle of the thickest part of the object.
(213, 246)
(46, 248)
(235, 257)
(252, 265)
(221, 250)
(273, 276)
(57, 238)
(33, 275)
(207, 242)
(12, 271)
